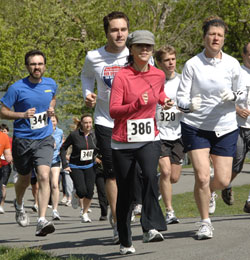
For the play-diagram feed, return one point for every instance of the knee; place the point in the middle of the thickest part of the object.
(43, 178)
(202, 180)
(54, 186)
(174, 179)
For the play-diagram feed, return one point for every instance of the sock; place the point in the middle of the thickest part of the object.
(19, 207)
(41, 219)
(206, 220)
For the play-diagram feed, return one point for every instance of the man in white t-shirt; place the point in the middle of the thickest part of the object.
(100, 66)
(243, 143)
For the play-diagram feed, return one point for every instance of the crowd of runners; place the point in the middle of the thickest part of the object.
(146, 117)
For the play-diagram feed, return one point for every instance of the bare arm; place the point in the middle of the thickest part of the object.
(7, 155)
(7, 113)
(51, 110)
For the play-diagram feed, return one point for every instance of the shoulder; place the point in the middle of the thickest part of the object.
(95, 54)
(155, 70)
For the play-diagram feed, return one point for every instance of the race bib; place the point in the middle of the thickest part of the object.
(140, 130)
(39, 120)
(167, 117)
(86, 155)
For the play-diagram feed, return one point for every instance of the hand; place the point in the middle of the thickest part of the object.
(29, 113)
(195, 103)
(227, 95)
(90, 100)
(51, 112)
(168, 103)
(242, 112)
(67, 169)
(145, 97)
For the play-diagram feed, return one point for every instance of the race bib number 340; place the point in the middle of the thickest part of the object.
(140, 130)
(39, 120)
(86, 155)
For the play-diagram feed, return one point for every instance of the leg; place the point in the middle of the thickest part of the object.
(55, 172)
(21, 185)
(201, 163)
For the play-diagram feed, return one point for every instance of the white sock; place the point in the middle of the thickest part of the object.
(19, 207)
(41, 219)
(206, 220)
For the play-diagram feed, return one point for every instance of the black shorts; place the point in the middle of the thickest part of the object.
(6, 171)
(28, 153)
(174, 150)
(56, 164)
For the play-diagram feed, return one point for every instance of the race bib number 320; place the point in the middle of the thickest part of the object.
(140, 130)
(39, 120)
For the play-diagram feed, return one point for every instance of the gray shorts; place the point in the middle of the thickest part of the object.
(28, 154)
(243, 147)
(174, 150)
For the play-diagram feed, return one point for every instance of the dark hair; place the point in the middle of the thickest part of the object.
(213, 21)
(4, 126)
(55, 117)
(245, 48)
(164, 50)
(83, 116)
(112, 16)
(33, 53)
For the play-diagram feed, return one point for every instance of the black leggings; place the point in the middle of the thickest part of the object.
(124, 164)
(83, 181)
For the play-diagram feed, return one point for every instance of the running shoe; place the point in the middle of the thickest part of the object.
(68, 203)
(74, 201)
(133, 216)
(228, 196)
(21, 217)
(247, 207)
(171, 218)
(115, 235)
(89, 210)
(35, 208)
(126, 250)
(85, 218)
(55, 215)
(2, 210)
(81, 212)
(137, 209)
(64, 200)
(103, 218)
(152, 236)
(205, 230)
(44, 227)
(212, 203)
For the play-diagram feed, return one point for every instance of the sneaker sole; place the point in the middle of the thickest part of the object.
(203, 237)
(46, 230)
(129, 252)
(156, 238)
(174, 221)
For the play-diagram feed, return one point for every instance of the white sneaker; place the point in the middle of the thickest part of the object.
(137, 209)
(133, 216)
(2, 210)
(115, 235)
(81, 212)
(171, 218)
(35, 208)
(89, 210)
(68, 203)
(64, 200)
(205, 231)
(152, 236)
(126, 250)
(85, 218)
(212, 203)
(55, 215)
(75, 201)
(111, 220)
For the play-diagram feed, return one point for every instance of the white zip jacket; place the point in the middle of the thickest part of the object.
(209, 77)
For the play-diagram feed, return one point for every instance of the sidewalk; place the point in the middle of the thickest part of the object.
(94, 240)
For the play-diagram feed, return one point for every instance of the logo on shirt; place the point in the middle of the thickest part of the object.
(108, 74)
(48, 90)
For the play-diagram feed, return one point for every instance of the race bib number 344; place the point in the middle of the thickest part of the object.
(39, 120)
(140, 130)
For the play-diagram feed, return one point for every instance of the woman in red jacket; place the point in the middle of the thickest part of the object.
(136, 90)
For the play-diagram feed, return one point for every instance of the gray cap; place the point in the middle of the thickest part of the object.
(140, 36)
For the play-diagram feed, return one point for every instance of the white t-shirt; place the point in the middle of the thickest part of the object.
(245, 122)
(208, 77)
(101, 66)
(168, 121)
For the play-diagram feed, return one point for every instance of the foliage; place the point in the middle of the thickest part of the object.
(66, 29)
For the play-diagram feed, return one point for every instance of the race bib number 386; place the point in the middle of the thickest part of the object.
(39, 120)
(140, 130)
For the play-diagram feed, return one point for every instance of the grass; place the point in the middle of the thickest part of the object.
(185, 206)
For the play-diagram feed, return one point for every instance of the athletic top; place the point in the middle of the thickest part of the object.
(4, 144)
(208, 77)
(58, 136)
(168, 121)
(126, 102)
(83, 148)
(101, 66)
(3, 161)
(245, 122)
(23, 95)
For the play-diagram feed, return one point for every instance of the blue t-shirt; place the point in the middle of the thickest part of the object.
(23, 95)
(58, 136)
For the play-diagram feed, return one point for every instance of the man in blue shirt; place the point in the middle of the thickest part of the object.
(33, 100)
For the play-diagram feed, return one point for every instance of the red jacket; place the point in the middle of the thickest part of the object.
(126, 98)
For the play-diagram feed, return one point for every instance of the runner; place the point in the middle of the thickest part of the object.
(55, 167)
(6, 169)
(168, 121)
(135, 92)
(81, 164)
(33, 99)
(210, 85)
(100, 66)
